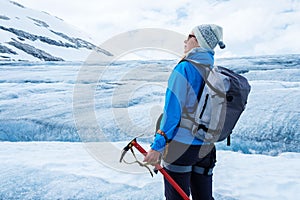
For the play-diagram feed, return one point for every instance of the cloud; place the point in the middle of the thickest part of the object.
(250, 27)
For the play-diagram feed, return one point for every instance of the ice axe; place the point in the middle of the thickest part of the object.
(134, 143)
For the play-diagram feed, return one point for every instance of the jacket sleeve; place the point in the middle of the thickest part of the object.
(174, 102)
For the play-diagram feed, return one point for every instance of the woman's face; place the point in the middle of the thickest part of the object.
(190, 43)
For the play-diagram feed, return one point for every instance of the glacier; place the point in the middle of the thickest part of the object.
(64, 170)
(36, 102)
(58, 141)
(43, 156)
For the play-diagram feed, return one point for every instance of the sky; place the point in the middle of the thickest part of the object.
(256, 27)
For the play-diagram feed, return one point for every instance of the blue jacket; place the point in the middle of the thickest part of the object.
(181, 95)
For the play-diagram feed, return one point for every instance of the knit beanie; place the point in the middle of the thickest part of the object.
(209, 35)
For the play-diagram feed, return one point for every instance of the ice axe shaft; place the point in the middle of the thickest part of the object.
(162, 170)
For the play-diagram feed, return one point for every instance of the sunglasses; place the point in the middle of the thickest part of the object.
(190, 36)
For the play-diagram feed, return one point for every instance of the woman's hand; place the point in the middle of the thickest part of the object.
(152, 157)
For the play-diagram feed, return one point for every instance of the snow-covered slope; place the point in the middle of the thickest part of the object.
(27, 34)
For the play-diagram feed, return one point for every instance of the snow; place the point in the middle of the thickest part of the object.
(22, 18)
(64, 170)
(244, 176)
(44, 153)
(48, 170)
(41, 24)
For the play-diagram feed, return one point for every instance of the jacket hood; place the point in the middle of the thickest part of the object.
(200, 56)
(202, 59)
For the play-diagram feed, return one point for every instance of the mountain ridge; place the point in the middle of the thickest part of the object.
(30, 35)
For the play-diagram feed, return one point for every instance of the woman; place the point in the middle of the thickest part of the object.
(183, 160)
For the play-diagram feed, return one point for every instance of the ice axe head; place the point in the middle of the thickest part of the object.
(126, 148)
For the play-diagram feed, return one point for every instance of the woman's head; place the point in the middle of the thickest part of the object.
(190, 43)
(206, 36)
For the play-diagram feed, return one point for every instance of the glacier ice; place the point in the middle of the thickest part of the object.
(36, 102)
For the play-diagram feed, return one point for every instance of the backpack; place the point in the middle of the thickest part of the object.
(221, 100)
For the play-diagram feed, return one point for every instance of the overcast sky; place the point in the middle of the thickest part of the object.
(251, 27)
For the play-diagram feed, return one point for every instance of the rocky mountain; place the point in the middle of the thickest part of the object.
(31, 35)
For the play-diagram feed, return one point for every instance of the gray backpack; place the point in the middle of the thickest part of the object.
(222, 99)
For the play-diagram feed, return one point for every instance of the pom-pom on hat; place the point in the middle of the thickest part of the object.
(209, 35)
